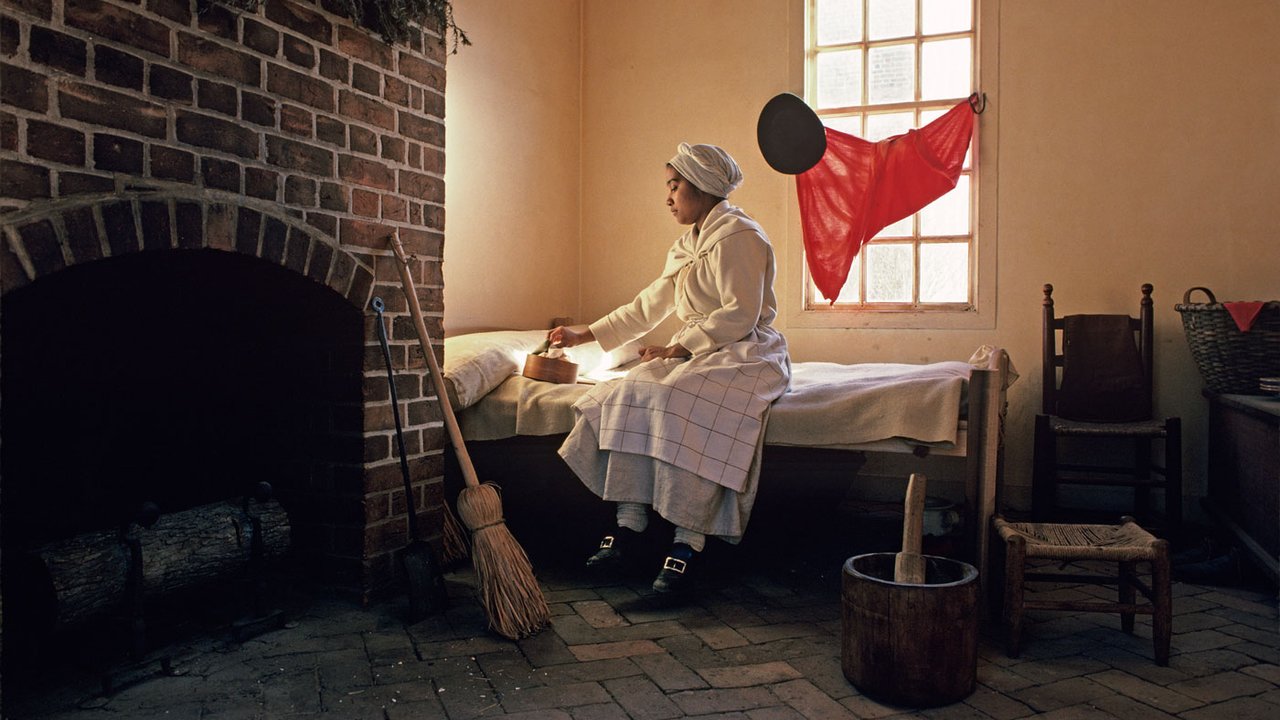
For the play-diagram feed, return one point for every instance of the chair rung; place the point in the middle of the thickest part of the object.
(1102, 432)
(1088, 606)
(1127, 481)
(1116, 580)
(1062, 513)
(1111, 469)
(1074, 579)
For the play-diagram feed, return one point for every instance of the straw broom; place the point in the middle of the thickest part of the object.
(509, 592)
(455, 543)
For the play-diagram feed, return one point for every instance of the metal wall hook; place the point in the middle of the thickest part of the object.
(978, 102)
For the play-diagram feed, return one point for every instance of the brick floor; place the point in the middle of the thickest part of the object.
(759, 641)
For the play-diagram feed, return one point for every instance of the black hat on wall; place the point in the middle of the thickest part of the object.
(790, 134)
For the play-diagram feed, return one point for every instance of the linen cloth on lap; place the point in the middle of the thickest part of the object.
(704, 415)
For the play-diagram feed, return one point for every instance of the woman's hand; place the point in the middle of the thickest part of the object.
(658, 352)
(562, 336)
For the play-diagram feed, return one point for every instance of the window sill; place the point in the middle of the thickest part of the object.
(889, 320)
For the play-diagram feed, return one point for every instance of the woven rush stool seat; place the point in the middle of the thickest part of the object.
(1126, 544)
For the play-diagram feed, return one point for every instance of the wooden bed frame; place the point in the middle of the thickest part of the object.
(531, 473)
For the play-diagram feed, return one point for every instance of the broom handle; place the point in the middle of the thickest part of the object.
(437, 378)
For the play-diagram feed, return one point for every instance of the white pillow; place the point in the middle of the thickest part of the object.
(476, 363)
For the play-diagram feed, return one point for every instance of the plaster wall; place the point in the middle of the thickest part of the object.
(1137, 144)
(513, 192)
(1124, 143)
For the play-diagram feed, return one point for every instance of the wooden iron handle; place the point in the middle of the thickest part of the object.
(437, 377)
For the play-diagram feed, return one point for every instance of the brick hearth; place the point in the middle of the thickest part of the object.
(288, 136)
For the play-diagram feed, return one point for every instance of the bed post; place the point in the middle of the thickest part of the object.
(985, 449)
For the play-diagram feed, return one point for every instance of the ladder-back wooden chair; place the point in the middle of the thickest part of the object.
(1097, 386)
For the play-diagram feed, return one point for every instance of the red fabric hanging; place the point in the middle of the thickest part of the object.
(860, 187)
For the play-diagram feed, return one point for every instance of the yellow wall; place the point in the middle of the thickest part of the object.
(658, 74)
(512, 188)
(1139, 143)
(1133, 142)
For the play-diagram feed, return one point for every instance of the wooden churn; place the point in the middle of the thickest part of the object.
(913, 645)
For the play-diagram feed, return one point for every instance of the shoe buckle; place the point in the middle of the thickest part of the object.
(674, 565)
(607, 542)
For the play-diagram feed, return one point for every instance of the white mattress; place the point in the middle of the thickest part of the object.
(877, 406)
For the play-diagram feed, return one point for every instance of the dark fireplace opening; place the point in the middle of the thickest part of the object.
(179, 378)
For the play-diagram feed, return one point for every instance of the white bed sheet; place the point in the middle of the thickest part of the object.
(828, 405)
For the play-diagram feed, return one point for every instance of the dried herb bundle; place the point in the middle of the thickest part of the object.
(393, 19)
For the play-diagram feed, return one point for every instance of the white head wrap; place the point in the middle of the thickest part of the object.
(709, 168)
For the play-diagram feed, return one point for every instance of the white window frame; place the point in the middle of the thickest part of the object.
(980, 312)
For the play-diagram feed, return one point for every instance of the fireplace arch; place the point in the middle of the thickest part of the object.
(168, 347)
(51, 236)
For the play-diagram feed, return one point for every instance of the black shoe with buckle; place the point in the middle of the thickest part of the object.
(675, 576)
(611, 550)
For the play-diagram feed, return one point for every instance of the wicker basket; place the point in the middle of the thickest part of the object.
(1231, 361)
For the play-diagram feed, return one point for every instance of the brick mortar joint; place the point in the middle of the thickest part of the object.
(405, 427)
(56, 208)
(395, 460)
(22, 60)
(60, 78)
(19, 249)
(58, 21)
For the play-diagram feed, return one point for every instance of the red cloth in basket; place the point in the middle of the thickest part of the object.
(1244, 312)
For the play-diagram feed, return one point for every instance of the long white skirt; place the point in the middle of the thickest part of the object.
(679, 496)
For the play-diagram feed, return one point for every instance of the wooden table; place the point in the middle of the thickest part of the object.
(1244, 473)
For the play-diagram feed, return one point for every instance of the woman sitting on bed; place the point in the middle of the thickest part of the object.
(682, 432)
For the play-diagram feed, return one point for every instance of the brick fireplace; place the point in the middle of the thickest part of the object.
(194, 202)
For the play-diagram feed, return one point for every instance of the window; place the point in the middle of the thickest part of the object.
(876, 68)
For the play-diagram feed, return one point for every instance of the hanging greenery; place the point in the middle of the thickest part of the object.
(395, 20)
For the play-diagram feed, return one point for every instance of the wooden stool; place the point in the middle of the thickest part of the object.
(1125, 544)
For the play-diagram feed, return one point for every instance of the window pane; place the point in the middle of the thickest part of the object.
(891, 18)
(847, 294)
(944, 272)
(902, 228)
(891, 74)
(946, 16)
(839, 21)
(949, 214)
(945, 69)
(850, 293)
(850, 124)
(883, 125)
(889, 271)
(839, 78)
(878, 69)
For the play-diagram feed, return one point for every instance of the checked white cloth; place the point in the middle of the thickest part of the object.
(699, 415)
